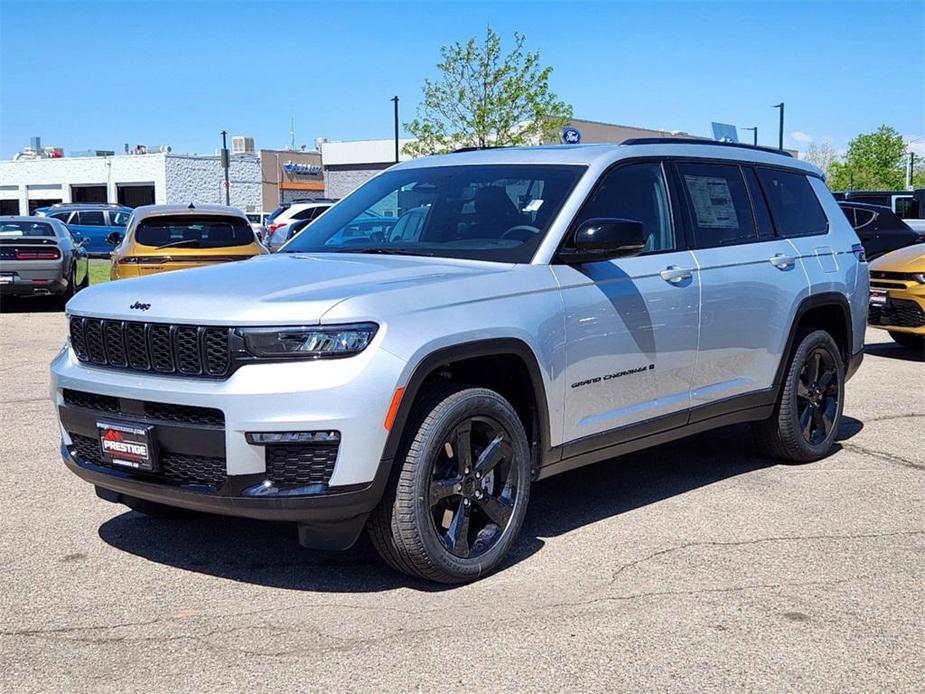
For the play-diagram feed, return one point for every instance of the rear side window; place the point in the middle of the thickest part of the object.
(907, 208)
(795, 208)
(93, 218)
(61, 216)
(849, 214)
(194, 231)
(863, 218)
(118, 219)
(718, 203)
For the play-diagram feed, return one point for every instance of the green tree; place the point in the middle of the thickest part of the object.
(486, 97)
(874, 161)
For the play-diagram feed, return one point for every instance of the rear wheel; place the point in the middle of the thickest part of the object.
(908, 340)
(69, 290)
(462, 489)
(809, 408)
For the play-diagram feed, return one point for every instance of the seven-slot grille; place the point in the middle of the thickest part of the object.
(171, 349)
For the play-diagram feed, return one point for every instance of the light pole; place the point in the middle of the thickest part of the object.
(780, 134)
(225, 165)
(755, 137)
(394, 100)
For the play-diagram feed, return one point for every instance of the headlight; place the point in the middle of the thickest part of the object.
(309, 342)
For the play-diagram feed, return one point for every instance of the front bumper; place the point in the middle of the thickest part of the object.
(332, 520)
(350, 396)
(905, 311)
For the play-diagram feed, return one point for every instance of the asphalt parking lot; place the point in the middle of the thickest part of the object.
(693, 566)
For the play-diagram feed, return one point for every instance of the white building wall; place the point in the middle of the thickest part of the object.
(202, 180)
(53, 178)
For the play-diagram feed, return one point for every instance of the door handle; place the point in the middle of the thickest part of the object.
(781, 261)
(675, 274)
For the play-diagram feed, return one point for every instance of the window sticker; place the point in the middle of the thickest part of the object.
(712, 202)
(533, 206)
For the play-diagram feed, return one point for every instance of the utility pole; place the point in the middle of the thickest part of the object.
(394, 100)
(910, 172)
(225, 164)
(755, 134)
(780, 133)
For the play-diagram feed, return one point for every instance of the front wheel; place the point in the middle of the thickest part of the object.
(805, 421)
(462, 488)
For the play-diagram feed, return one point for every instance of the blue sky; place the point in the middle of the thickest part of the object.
(96, 75)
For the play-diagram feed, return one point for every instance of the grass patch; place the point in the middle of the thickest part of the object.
(99, 271)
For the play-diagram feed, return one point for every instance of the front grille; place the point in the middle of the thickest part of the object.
(899, 312)
(175, 468)
(899, 276)
(159, 411)
(301, 464)
(170, 349)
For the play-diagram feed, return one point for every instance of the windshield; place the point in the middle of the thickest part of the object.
(481, 212)
(194, 231)
(8, 229)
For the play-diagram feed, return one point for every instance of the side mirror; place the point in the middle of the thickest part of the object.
(605, 239)
(114, 238)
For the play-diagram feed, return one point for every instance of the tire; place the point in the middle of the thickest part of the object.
(69, 291)
(808, 412)
(445, 520)
(908, 340)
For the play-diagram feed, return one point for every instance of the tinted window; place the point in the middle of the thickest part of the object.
(907, 208)
(483, 212)
(760, 205)
(119, 219)
(637, 192)
(194, 231)
(718, 204)
(862, 218)
(849, 214)
(90, 218)
(61, 215)
(10, 229)
(795, 208)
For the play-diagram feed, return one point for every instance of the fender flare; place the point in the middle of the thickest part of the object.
(809, 303)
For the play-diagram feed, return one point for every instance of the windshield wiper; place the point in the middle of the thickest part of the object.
(181, 242)
(386, 251)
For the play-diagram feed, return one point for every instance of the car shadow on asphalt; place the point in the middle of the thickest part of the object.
(892, 350)
(268, 554)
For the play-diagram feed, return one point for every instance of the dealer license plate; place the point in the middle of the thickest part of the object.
(878, 297)
(128, 445)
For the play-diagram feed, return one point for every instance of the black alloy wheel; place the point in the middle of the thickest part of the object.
(818, 394)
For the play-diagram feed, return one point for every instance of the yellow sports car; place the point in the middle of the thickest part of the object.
(897, 295)
(174, 237)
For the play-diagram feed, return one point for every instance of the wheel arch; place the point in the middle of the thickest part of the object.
(829, 311)
(464, 356)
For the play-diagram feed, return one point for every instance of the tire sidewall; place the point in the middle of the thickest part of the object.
(473, 402)
(811, 342)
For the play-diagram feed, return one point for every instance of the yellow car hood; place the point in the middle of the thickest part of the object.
(908, 259)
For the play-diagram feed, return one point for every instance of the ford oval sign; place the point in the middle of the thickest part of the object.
(571, 136)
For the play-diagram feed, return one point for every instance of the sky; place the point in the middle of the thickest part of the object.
(86, 75)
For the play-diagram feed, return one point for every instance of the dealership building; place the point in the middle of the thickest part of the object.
(259, 180)
(129, 179)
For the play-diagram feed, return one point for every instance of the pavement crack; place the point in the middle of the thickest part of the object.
(881, 455)
(743, 543)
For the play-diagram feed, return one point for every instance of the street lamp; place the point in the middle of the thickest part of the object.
(780, 134)
(225, 165)
(755, 137)
(394, 100)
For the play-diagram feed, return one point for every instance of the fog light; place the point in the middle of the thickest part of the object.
(262, 438)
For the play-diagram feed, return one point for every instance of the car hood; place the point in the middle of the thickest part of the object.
(276, 289)
(908, 259)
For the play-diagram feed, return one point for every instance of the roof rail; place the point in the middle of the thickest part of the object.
(476, 149)
(701, 141)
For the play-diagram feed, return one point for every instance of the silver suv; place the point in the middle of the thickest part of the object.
(464, 325)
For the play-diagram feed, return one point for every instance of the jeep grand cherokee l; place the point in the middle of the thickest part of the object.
(545, 308)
